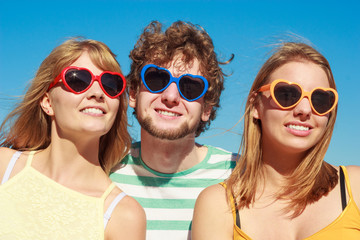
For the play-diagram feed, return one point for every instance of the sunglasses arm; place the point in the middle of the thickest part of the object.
(57, 79)
(264, 88)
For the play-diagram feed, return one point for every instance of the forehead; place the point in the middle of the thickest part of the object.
(305, 73)
(85, 61)
(179, 67)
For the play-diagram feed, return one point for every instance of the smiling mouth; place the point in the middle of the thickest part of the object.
(298, 127)
(92, 110)
(166, 113)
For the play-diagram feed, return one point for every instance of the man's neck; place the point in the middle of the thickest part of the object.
(171, 156)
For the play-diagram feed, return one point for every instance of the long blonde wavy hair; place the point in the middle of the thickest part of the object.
(313, 178)
(27, 127)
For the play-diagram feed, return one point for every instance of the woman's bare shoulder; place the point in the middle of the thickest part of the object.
(214, 192)
(5, 157)
(5, 152)
(354, 173)
(212, 215)
(128, 221)
(354, 177)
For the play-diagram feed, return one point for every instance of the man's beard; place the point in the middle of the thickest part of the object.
(181, 132)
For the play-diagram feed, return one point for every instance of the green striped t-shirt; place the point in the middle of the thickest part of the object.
(169, 199)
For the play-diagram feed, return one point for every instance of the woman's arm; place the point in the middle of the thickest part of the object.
(128, 221)
(212, 215)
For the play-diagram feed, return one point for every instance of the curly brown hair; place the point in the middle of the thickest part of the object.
(193, 42)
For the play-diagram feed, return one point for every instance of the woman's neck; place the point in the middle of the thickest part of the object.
(282, 161)
(65, 159)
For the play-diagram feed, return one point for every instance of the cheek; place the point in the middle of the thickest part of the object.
(272, 116)
(195, 108)
(323, 122)
(114, 105)
(140, 101)
(148, 97)
(321, 125)
(269, 103)
(62, 101)
(264, 106)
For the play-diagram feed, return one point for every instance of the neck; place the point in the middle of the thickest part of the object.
(282, 160)
(68, 159)
(171, 156)
(278, 164)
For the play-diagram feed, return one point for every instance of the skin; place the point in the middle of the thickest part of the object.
(168, 114)
(277, 135)
(92, 112)
(71, 158)
(284, 148)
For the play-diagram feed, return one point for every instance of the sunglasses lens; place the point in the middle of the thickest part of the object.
(191, 87)
(78, 80)
(286, 94)
(156, 79)
(112, 84)
(322, 100)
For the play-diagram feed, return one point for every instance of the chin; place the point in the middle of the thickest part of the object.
(298, 148)
(96, 130)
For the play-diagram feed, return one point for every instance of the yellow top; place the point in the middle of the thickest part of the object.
(33, 206)
(346, 226)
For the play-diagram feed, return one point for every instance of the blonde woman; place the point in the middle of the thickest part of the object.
(58, 146)
(281, 187)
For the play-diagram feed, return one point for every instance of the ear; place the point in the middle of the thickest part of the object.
(255, 106)
(46, 106)
(132, 98)
(255, 112)
(205, 115)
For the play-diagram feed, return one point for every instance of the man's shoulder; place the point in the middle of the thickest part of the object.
(221, 153)
(220, 158)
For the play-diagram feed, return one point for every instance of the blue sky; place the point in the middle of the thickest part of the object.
(29, 30)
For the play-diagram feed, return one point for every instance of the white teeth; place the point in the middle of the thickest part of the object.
(92, 110)
(171, 114)
(297, 127)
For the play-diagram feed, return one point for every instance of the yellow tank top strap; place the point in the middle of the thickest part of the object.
(108, 190)
(347, 181)
(30, 158)
(232, 202)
